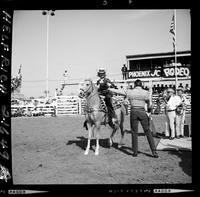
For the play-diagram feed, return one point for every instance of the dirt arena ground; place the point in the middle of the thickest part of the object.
(50, 150)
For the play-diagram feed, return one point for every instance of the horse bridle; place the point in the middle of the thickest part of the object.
(85, 91)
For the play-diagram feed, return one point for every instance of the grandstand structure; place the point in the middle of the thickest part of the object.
(159, 68)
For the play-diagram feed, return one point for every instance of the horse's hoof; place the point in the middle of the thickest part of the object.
(86, 153)
(119, 146)
(96, 153)
(110, 143)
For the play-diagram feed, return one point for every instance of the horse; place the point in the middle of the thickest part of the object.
(96, 113)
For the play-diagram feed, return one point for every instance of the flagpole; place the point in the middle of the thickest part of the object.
(176, 78)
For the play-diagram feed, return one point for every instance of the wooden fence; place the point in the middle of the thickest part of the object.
(68, 105)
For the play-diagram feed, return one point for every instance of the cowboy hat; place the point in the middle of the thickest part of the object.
(180, 88)
(170, 90)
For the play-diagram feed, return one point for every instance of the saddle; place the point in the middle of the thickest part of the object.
(116, 103)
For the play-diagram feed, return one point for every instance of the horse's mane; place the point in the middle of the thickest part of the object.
(93, 85)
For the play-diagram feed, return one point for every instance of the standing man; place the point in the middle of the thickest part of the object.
(172, 102)
(124, 72)
(138, 97)
(165, 98)
(180, 112)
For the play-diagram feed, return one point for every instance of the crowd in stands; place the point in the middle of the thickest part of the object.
(159, 88)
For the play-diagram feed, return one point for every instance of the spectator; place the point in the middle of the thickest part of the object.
(187, 89)
(180, 85)
(154, 89)
(180, 113)
(54, 111)
(164, 97)
(162, 88)
(172, 102)
(157, 110)
(124, 72)
(158, 88)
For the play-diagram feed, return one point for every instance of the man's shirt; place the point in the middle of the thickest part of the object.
(138, 97)
(173, 102)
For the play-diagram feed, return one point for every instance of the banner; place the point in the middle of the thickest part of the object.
(168, 72)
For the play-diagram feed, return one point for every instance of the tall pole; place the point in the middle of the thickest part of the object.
(47, 12)
(47, 60)
(176, 78)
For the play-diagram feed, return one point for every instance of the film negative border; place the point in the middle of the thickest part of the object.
(93, 4)
(6, 20)
(6, 17)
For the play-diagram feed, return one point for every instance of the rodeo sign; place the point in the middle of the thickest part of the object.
(168, 72)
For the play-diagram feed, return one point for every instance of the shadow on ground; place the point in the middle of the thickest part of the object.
(82, 142)
(186, 160)
(128, 150)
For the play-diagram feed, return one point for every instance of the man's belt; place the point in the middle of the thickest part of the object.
(138, 108)
(170, 110)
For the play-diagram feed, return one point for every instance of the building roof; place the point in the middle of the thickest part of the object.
(158, 55)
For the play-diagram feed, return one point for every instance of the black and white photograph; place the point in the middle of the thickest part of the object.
(101, 97)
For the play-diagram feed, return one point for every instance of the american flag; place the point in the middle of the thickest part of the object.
(172, 31)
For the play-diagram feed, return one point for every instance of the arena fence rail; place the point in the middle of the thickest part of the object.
(73, 105)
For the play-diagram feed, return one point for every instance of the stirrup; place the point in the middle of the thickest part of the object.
(114, 120)
(102, 97)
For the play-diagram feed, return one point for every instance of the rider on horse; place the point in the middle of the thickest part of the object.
(103, 84)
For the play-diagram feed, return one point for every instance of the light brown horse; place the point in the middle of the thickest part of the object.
(96, 115)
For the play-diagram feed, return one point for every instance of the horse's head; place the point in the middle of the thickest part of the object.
(86, 88)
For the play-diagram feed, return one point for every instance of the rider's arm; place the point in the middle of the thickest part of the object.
(111, 84)
(98, 83)
(121, 92)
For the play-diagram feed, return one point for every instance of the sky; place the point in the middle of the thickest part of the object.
(81, 41)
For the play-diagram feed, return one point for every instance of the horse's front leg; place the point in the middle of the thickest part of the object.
(90, 128)
(97, 138)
